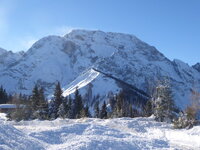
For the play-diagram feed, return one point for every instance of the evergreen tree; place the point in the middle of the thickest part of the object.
(58, 95)
(186, 119)
(120, 109)
(85, 112)
(130, 111)
(63, 110)
(78, 104)
(96, 110)
(112, 102)
(70, 113)
(3, 96)
(148, 109)
(103, 113)
(164, 107)
(52, 110)
(35, 98)
(42, 108)
(57, 100)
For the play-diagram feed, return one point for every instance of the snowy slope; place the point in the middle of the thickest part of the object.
(91, 84)
(124, 56)
(197, 66)
(82, 80)
(98, 134)
(8, 58)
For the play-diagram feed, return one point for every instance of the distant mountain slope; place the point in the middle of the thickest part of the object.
(123, 56)
(8, 58)
(197, 66)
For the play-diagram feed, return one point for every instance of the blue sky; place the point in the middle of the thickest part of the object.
(172, 26)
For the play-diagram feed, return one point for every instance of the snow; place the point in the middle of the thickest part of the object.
(100, 84)
(98, 134)
(80, 82)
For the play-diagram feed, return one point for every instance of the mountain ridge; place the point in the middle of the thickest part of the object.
(124, 56)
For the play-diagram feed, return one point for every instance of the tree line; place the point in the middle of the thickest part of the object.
(161, 105)
(37, 106)
(4, 97)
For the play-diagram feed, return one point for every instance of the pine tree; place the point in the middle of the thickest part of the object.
(70, 113)
(35, 98)
(42, 108)
(85, 112)
(120, 108)
(63, 109)
(164, 106)
(57, 100)
(112, 102)
(130, 111)
(3, 96)
(58, 95)
(103, 113)
(148, 108)
(78, 104)
(96, 109)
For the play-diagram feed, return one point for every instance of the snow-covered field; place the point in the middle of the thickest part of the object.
(95, 134)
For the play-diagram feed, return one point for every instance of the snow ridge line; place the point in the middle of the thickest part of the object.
(138, 91)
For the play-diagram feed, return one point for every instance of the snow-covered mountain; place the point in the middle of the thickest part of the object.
(197, 66)
(99, 62)
(8, 58)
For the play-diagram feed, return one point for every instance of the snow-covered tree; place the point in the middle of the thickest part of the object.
(163, 103)
(189, 117)
(63, 109)
(57, 100)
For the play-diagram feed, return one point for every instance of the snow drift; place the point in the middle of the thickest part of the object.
(99, 134)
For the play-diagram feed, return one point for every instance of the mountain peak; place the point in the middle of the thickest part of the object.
(197, 66)
(2, 51)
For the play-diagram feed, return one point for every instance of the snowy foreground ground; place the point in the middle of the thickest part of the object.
(95, 134)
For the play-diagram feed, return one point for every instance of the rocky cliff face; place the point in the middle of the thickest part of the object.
(73, 59)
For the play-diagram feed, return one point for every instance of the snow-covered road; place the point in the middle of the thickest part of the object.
(95, 134)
